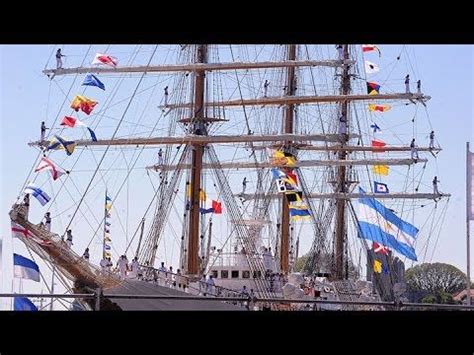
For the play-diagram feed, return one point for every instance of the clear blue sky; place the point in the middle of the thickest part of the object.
(446, 73)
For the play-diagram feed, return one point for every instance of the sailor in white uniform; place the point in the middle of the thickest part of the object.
(210, 285)
(134, 267)
(202, 285)
(103, 264)
(122, 266)
(162, 274)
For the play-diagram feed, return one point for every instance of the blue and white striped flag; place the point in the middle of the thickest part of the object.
(379, 224)
(24, 268)
(40, 195)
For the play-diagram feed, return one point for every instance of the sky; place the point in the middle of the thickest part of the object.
(27, 97)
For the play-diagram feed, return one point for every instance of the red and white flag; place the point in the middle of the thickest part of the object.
(46, 164)
(380, 248)
(105, 59)
(21, 232)
(71, 122)
(370, 47)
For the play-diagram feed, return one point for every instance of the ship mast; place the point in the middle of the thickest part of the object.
(288, 128)
(197, 138)
(198, 128)
(341, 173)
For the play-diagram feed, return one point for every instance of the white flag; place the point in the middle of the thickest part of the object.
(470, 184)
(371, 68)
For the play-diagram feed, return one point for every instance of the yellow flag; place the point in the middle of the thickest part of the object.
(281, 159)
(202, 193)
(381, 169)
(279, 154)
(83, 103)
(377, 266)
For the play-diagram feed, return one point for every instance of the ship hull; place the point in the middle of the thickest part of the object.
(145, 288)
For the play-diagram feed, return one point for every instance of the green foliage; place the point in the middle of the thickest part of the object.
(435, 283)
(300, 263)
(429, 299)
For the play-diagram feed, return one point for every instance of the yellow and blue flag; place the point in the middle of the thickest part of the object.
(299, 212)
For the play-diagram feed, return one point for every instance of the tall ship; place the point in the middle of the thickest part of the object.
(262, 172)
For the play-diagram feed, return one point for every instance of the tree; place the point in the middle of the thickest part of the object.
(434, 282)
(300, 262)
(440, 298)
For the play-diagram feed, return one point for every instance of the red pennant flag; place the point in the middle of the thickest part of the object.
(71, 122)
(378, 144)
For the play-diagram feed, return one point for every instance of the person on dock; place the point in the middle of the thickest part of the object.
(418, 87)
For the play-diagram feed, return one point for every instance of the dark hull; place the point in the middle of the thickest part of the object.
(146, 288)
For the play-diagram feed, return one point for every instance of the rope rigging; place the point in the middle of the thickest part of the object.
(246, 219)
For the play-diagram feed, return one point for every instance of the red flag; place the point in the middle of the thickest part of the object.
(71, 122)
(105, 59)
(380, 248)
(217, 207)
(378, 144)
(68, 121)
(371, 47)
(293, 177)
(368, 47)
